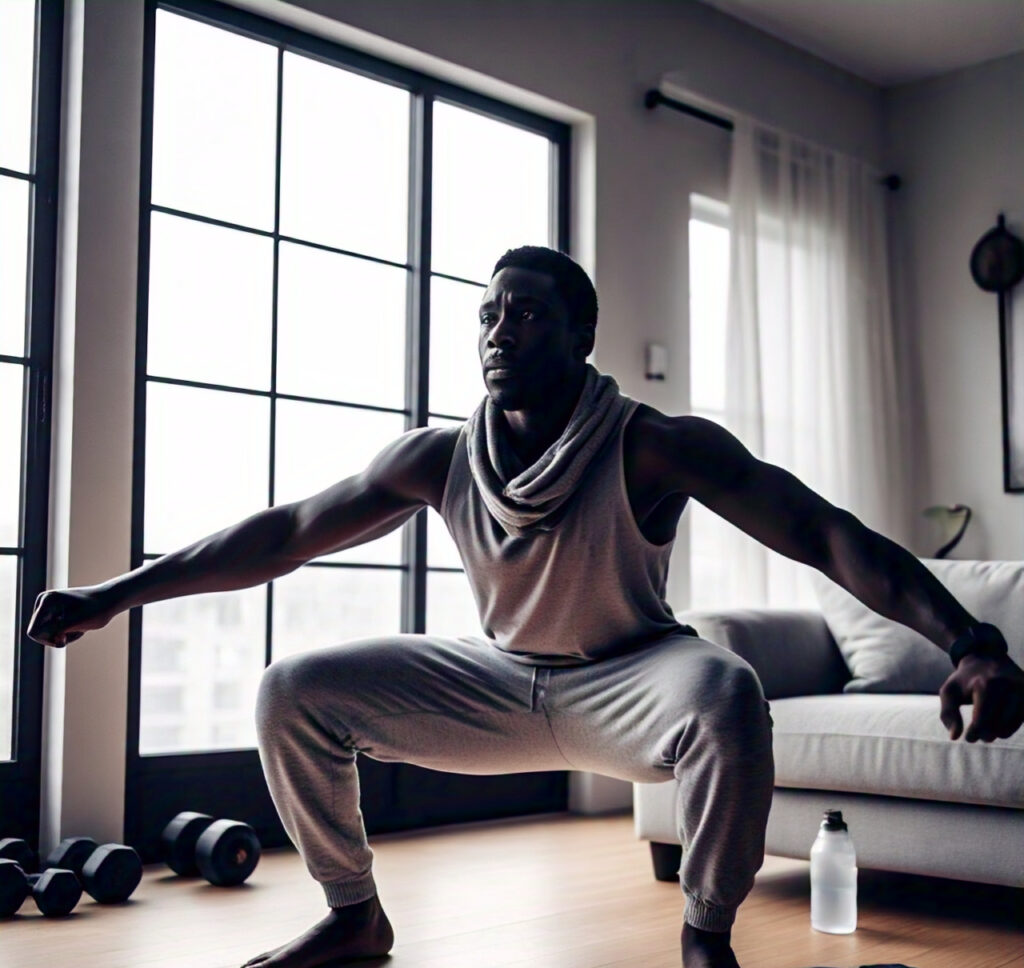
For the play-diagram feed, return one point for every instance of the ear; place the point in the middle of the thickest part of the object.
(585, 341)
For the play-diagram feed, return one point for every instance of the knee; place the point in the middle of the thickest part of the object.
(284, 689)
(736, 706)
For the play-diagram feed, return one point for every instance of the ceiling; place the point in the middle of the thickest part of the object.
(889, 42)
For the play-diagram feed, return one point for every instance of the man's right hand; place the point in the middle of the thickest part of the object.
(64, 615)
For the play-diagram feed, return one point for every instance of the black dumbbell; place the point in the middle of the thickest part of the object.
(13, 848)
(56, 892)
(225, 852)
(109, 873)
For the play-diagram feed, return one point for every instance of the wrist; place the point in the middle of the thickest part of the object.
(108, 596)
(982, 639)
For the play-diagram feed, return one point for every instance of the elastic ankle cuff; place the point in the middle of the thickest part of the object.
(708, 917)
(343, 893)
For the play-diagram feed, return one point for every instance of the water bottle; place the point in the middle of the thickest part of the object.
(833, 877)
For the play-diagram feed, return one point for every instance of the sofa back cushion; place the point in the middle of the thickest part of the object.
(887, 656)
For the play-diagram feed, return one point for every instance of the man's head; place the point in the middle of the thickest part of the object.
(538, 315)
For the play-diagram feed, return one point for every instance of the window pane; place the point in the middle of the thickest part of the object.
(207, 462)
(210, 300)
(8, 593)
(344, 159)
(451, 609)
(485, 166)
(13, 263)
(214, 122)
(709, 291)
(441, 550)
(202, 657)
(315, 607)
(318, 445)
(17, 48)
(340, 327)
(456, 379)
(11, 382)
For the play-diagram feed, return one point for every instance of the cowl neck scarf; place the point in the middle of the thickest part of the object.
(524, 499)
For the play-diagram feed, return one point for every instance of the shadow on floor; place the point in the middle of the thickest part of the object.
(893, 891)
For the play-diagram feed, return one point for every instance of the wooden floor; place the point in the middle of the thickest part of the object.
(556, 891)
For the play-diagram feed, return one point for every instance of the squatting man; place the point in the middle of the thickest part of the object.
(563, 496)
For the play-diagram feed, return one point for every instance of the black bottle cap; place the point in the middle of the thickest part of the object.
(833, 820)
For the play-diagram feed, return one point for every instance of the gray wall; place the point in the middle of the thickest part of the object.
(958, 140)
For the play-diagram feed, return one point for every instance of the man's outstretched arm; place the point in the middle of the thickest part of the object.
(776, 508)
(268, 544)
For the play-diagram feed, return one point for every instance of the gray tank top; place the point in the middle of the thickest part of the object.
(591, 588)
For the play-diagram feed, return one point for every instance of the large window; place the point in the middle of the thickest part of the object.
(30, 43)
(318, 229)
(709, 290)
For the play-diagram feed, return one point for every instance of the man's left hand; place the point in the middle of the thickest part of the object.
(996, 688)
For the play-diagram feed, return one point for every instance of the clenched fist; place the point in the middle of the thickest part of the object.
(64, 615)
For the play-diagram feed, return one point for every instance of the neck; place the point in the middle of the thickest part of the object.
(534, 430)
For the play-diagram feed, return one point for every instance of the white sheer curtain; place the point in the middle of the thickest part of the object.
(811, 360)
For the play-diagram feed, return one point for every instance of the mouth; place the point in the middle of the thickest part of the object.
(501, 373)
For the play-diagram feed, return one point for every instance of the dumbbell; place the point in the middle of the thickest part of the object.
(109, 873)
(56, 892)
(13, 848)
(225, 852)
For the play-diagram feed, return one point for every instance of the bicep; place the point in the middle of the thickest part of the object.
(366, 505)
(763, 500)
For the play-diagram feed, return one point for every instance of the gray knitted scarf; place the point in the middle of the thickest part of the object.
(524, 499)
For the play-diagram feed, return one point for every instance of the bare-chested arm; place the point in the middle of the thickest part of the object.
(408, 474)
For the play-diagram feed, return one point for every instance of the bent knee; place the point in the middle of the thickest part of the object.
(735, 701)
(285, 686)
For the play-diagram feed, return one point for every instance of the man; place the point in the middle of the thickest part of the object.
(563, 496)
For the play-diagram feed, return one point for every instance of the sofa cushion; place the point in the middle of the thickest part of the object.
(887, 656)
(791, 650)
(891, 745)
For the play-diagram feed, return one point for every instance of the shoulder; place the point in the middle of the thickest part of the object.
(682, 450)
(416, 463)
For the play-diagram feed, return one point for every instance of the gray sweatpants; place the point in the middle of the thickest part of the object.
(682, 707)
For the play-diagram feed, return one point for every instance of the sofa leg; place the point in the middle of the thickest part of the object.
(666, 859)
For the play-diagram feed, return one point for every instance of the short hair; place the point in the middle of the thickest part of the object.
(571, 281)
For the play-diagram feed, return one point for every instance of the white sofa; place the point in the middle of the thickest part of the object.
(854, 701)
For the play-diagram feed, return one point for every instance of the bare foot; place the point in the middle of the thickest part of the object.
(707, 949)
(347, 934)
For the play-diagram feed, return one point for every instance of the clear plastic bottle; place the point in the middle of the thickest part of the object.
(833, 877)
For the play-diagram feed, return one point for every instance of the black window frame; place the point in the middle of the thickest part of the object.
(20, 776)
(395, 796)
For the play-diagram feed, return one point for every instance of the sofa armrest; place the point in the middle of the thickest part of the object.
(792, 650)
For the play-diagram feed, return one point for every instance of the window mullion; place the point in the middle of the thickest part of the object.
(417, 348)
(269, 640)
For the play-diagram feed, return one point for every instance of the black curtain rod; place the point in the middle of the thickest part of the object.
(654, 97)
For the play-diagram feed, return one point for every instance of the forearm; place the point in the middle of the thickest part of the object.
(889, 579)
(246, 554)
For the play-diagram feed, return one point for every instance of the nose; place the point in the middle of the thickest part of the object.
(502, 334)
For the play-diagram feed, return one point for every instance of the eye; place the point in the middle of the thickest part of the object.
(527, 314)
(485, 318)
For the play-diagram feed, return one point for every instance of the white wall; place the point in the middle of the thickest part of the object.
(588, 63)
(958, 141)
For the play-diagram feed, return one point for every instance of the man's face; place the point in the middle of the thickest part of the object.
(525, 324)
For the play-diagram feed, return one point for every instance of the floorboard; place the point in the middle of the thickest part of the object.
(555, 891)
